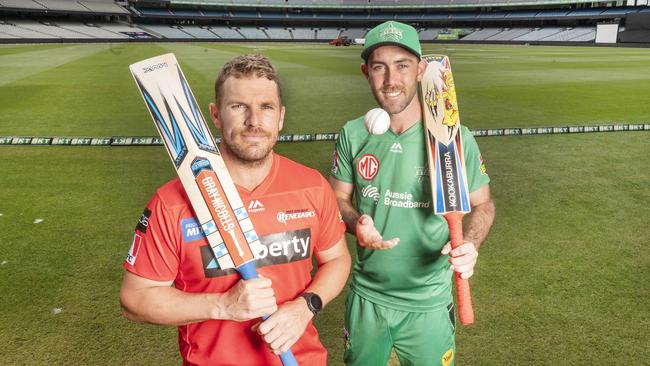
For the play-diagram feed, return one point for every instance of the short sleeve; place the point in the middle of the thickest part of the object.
(476, 172)
(331, 224)
(342, 159)
(154, 252)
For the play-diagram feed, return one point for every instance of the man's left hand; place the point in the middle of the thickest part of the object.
(462, 259)
(284, 327)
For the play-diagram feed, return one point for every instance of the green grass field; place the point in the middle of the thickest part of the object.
(562, 279)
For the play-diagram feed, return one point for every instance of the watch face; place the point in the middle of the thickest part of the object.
(316, 302)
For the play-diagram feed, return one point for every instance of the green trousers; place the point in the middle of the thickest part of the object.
(419, 338)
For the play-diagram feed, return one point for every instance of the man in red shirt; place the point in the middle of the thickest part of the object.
(172, 277)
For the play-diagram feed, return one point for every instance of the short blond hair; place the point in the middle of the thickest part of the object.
(253, 65)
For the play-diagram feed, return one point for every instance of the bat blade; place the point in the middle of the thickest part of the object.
(449, 188)
(200, 167)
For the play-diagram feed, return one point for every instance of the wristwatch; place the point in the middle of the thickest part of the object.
(314, 302)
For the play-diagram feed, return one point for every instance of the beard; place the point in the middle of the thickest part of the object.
(250, 153)
(396, 106)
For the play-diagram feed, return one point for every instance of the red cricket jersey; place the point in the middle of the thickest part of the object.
(295, 215)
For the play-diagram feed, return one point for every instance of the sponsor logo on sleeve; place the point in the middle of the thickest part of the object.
(135, 248)
(483, 168)
(335, 162)
(191, 230)
(143, 223)
(276, 248)
(368, 166)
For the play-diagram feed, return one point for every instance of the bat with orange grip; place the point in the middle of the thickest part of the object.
(446, 161)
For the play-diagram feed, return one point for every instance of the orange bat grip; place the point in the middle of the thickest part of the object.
(465, 309)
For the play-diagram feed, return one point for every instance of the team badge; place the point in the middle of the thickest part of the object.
(448, 357)
(135, 248)
(368, 166)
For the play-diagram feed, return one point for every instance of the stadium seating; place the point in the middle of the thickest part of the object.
(66, 6)
(21, 4)
(12, 30)
(539, 34)
(482, 34)
(90, 30)
(509, 34)
(303, 33)
(354, 32)
(304, 20)
(429, 34)
(225, 32)
(49, 29)
(253, 33)
(167, 31)
(199, 32)
(327, 33)
(571, 33)
(278, 33)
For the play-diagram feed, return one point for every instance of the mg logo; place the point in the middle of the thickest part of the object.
(368, 166)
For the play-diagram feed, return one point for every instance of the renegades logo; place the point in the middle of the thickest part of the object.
(368, 166)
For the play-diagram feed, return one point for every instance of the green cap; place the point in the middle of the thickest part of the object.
(392, 33)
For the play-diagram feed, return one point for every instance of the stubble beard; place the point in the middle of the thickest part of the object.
(400, 106)
(250, 155)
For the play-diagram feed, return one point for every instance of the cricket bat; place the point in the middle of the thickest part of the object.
(446, 161)
(200, 167)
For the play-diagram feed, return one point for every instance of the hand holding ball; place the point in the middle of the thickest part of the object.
(377, 121)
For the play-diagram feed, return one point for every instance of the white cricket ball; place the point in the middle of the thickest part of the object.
(377, 121)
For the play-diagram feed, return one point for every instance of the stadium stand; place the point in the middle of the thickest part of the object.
(327, 33)
(91, 30)
(570, 34)
(13, 30)
(167, 31)
(224, 32)
(199, 32)
(253, 33)
(539, 34)
(303, 33)
(517, 21)
(278, 33)
(50, 29)
(66, 6)
(354, 32)
(482, 34)
(429, 34)
(509, 34)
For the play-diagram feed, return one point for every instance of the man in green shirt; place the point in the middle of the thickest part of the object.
(401, 294)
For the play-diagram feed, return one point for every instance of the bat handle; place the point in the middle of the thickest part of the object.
(465, 308)
(248, 271)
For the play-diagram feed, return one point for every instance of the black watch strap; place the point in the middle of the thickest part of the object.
(314, 302)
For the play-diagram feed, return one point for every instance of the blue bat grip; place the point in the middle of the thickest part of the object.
(248, 272)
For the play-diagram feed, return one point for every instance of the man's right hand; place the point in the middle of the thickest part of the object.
(248, 299)
(369, 237)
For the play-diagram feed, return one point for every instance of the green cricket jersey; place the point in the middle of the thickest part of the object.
(391, 184)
